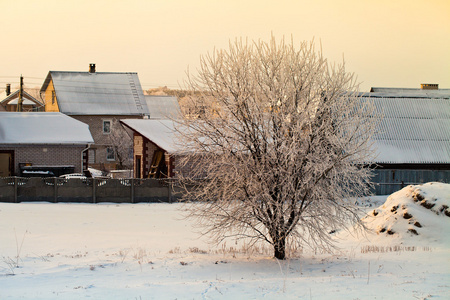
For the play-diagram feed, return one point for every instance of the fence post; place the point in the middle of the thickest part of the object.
(15, 189)
(170, 191)
(55, 181)
(94, 185)
(132, 189)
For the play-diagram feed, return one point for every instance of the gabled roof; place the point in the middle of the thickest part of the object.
(99, 93)
(13, 98)
(161, 132)
(413, 130)
(163, 107)
(42, 128)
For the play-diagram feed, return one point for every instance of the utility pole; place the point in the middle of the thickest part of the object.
(20, 101)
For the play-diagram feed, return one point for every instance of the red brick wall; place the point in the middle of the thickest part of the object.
(138, 148)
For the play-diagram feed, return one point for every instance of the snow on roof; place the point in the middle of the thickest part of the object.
(25, 102)
(163, 107)
(101, 93)
(413, 130)
(160, 132)
(409, 93)
(42, 128)
(13, 98)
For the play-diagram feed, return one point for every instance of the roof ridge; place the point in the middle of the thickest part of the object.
(87, 72)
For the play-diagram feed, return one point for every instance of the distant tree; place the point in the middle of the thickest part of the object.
(282, 148)
(121, 144)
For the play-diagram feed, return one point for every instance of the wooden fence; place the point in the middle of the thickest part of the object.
(88, 190)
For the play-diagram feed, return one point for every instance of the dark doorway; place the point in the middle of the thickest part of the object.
(138, 166)
(6, 163)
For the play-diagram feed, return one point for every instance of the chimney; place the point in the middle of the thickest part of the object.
(91, 68)
(8, 89)
(429, 86)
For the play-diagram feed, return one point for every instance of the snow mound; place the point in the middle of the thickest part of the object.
(416, 210)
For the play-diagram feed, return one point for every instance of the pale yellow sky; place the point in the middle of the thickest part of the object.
(387, 43)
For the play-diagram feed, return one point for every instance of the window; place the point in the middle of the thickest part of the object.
(110, 155)
(106, 126)
(53, 97)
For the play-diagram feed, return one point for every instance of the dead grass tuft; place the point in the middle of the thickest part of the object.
(197, 250)
(387, 249)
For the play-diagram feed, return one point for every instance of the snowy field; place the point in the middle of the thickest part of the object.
(148, 251)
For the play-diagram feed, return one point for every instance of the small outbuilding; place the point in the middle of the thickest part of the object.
(42, 143)
(157, 151)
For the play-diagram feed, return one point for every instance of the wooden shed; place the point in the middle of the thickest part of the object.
(156, 149)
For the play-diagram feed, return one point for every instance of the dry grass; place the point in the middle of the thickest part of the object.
(387, 249)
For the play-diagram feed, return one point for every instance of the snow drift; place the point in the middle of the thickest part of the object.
(416, 210)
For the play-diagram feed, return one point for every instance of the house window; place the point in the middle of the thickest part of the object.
(106, 126)
(53, 97)
(110, 155)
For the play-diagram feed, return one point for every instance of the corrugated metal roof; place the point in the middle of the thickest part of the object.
(413, 108)
(42, 128)
(163, 107)
(160, 132)
(101, 93)
(413, 130)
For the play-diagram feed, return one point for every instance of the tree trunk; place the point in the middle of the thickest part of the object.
(279, 247)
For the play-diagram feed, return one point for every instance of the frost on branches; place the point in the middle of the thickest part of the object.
(282, 136)
(122, 144)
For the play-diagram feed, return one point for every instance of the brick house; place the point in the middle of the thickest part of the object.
(42, 141)
(100, 100)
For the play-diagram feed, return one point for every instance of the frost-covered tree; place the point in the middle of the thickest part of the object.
(121, 144)
(281, 146)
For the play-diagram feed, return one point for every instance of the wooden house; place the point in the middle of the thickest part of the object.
(42, 144)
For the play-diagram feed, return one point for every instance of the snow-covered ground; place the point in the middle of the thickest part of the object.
(148, 251)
